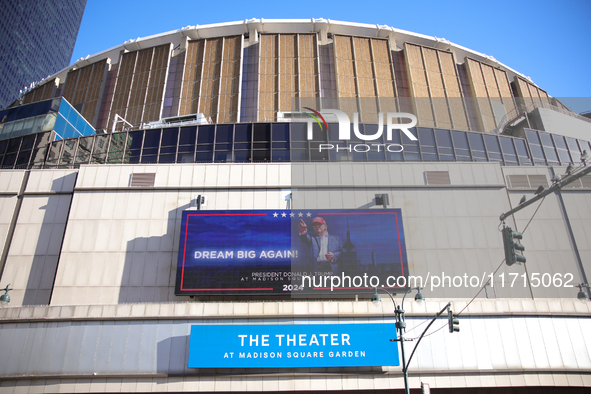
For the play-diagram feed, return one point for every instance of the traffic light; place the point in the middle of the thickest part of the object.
(452, 321)
(512, 245)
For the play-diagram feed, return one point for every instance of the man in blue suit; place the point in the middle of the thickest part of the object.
(325, 249)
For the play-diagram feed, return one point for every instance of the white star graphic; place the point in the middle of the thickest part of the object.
(300, 215)
(309, 214)
(283, 215)
(275, 215)
(291, 215)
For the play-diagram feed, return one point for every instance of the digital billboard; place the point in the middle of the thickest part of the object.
(290, 252)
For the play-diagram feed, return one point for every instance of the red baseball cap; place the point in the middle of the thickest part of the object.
(318, 219)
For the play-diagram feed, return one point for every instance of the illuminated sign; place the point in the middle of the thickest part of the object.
(290, 251)
(293, 346)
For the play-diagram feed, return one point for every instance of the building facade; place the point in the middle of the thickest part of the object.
(37, 40)
(195, 133)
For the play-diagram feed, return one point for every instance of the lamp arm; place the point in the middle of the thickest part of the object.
(423, 334)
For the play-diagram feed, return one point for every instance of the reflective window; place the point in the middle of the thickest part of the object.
(117, 148)
(186, 148)
(462, 149)
(411, 148)
(394, 147)
(508, 149)
(561, 149)
(84, 149)
(493, 148)
(548, 145)
(168, 145)
(444, 145)
(428, 147)
(535, 146)
(573, 148)
(522, 151)
(477, 147)
(68, 151)
(99, 150)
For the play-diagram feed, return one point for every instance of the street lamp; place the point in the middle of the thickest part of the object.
(400, 324)
(5, 298)
(582, 295)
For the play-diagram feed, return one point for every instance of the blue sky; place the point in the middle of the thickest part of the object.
(545, 40)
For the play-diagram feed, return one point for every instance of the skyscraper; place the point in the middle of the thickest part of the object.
(36, 40)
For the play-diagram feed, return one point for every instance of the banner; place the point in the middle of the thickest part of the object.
(297, 252)
(293, 346)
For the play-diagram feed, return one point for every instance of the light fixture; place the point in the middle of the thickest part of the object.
(5, 298)
(581, 296)
(419, 298)
(375, 299)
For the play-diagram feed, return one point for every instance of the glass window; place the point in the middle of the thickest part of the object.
(574, 149)
(508, 149)
(299, 132)
(152, 138)
(280, 155)
(394, 148)
(242, 155)
(262, 132)
(68, 151)
(224, 134)
(203, 157)
(41, 147)
(477, 147)
(493, 147)
(549, 150)
(411, 148)
(333, 132)
(170, 137)
(427, 141)
(84, 149)
(522, 152)
(188, 135)
(99, 150)
(462, 149)
(280, 132)
(299, 155)
(243, 133)
(561, 149)
(444, 145)
(205, 134)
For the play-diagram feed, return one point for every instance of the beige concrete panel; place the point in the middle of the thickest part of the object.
(11, 180)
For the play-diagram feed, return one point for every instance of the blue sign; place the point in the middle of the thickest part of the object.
(293, 346)
(274, 251)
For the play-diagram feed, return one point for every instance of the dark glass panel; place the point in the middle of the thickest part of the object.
(99, 149)
(149, 159)
(28, 142)
(152, 138)
(54, 152)
(222, 157)
(13, 145)
(23, 158)
(223, 146)
(333, 132)
(150, 151)
(299, 145)
(262, 132)
(374, 155)
(508, 149)
(168, 150)
(224, 133)
(243, 133)
(242, 155)
(203, 157)
(170, 137)
(116, 147)
(167, 158)
(134, 140)
(280, 155)
(9, 160)
(205, 147)
(280, 132)
(493, 147)
(280, 145)
(68, 151)
(476, 142)
(205, 134)
(573, 147)
(3, 145)
(188, 135)
(261, 145)
(242, 146)
(261, 155)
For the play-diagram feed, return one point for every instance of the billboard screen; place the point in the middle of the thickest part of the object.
(297, 252)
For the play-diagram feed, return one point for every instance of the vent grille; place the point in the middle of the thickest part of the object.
(526, 181)
(437, 178)
(584, 182)
(142, 180)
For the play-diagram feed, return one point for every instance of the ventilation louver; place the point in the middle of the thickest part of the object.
(142, 180)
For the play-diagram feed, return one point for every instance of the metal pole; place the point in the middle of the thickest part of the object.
(400, 325)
